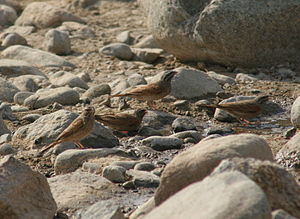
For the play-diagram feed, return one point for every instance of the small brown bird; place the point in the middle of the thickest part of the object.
(78, 129)
(123, 122)
(153, 91)
(243, 109)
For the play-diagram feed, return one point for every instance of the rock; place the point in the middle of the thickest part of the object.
(35, 201)
(295, 113)
(77, 30)
(13, 68)
(56, 122)
(5, 138)
(220, 197)
(224, 95)
(143, 179)
(97, 91)
(148, 131)
(70, 160)
(241, 77)
(157, 119)
(161, 143)
(118, 86)
(147, 55)
(144, 166)
(220, 130)
(115, 174)
(147, 42)
(188, 134)
(124, 37)
(125, 164)
(6, 149)
(281, 214)
(84, 76)
(198, 31)
(63, 78)
(58, 42)
(21, 96)
(119, 50)
(279, 185)
(183, 124)
(82, 190)
(7, 112)
(35, 57)
(22, 30)
(199, 161)
(181, 104)
(12, 3)
(8, 90)
(45, 97)
(31, 117)
(144, 209)
(191, 83)
(136, 79)
(289, 155)
(44, 15)
(102, 209)
(13, 39)
(8, 15)
(25, 83)
(221, 79)
(18, 108)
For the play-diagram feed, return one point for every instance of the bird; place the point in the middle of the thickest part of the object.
(123, 122)
(78, 129)
(153, 91)
(243, 109)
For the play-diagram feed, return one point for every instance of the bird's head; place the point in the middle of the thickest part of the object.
(89, 111)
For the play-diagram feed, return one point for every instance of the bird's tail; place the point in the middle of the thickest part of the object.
(119, 95)
(47, 147)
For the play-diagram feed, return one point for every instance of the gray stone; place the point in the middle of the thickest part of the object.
(115, 174)
(118, 86)
(146, 54)
(79, 190)
(84, 76)
(148, 131)
(143, 178)
(97, 91)
(45, 97)
(12, 3)
(7, 112)
(136, 79)
(158, 119)
(20, 97)
(183, 124)
(125, 164)
(199, 161)
(241, 77)
(44, 15)
(5, 138)
(289, 155)
(295, 113)
(279, 185)
(22, 30)
(161, 143)
(191, 83)
(220, 130)
(31, 117)
(35, 57)
(6, 149)
(70, 160)
(58, 42)
(77, 30)
(147, 42)
(18, 108)
(8, 90)
(285, 73)
(144, 166)
(188, 134)
(119, 50)
(221, 79)
(63, 78)
(8, 15)
(35, 201)
(198, 31)
(124, 37)
(25, 83)
(13, 39)
(216, 197)
(13, 68)
(281, 214)
(102, 209)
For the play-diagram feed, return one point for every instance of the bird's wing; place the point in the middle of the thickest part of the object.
(153, 88)
(74, 127)
(116, 119)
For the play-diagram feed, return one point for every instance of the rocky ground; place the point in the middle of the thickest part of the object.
(104, 21)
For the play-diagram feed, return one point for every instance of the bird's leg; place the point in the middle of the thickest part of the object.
(79, 145)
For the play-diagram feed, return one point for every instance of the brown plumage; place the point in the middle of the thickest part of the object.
(122, 121)
(78, 129)
(243, 109)
(153, 91)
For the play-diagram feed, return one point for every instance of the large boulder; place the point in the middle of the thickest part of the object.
(8, 90)
(24, 193)
(216, 197)
(43, 15)
(236, 32)
(200, 160)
